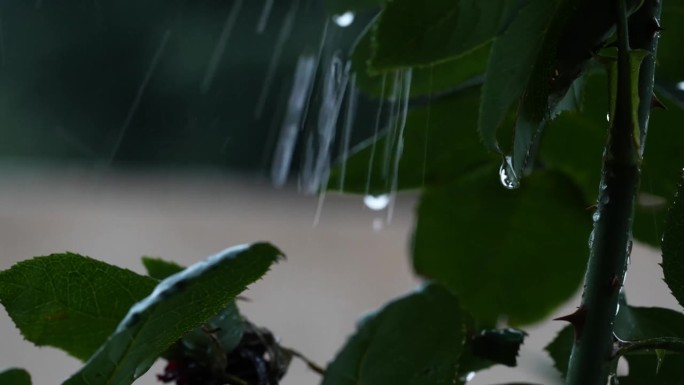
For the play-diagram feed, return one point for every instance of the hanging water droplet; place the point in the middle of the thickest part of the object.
(376, 203)
(617, 309)
(660, 353)
(596, 216)
(470, 376)
(508, 177)
(680, 86)
(344, 20)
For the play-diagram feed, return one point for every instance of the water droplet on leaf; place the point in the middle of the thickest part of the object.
(507, 175)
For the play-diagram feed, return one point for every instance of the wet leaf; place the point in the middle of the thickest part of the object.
(158, 268)
(499, 345)
(639, 323)
(429, 81)
(69, 301)
(437, 149)
(663, 156)
(673, 246)
(474, 231)
(178, 304)
(518, 47)
(410, 34)
(560, 348)
(643, 370)
(416, 339)
(15, 376)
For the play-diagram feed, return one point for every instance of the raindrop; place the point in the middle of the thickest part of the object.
(283, 36)
(349, 115)
(139, 94)
(265, 14)
(344, 20)
(680, 86)
(508, 177)
(607, 117)
(377, 203)
(617, 309)
(596, 216)
(301, 87)
(470, 376)
(220, 46)
(591, 239)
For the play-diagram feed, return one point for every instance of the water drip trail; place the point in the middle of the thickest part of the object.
(2, 43)
(220, 47)
(138, 96)
(283, 35)
(265, 15)
(349, 116)
(406, 76)
(376, 129)
(301, 87)
(333, 91)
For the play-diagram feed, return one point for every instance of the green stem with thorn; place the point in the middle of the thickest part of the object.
(590, 361)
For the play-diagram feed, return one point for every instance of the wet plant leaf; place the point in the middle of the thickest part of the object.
(178, 304)
(459, 246)
(643, 369)
(69, 301)
(560, 348)
(437, 149)
(429, 81)
(663, 156)
(499, 345)
(673, 246)
(416, 339)
(639, 323)
(518, 47)
(158, 268)
(15, 376)
(410, 34)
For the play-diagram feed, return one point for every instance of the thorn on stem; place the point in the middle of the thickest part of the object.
(576, 319)
(655, 27)
(656, 103)
(614, 284)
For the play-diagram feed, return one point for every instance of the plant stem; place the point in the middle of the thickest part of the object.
(590, 361)
(671, 344)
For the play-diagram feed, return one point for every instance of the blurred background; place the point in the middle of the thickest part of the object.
(165, 128)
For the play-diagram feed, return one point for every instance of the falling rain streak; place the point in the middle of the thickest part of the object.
(319, 142)
(405, 77)
(220, 47)
(265, 15)
(283, 35)
(139, 94)
(301, 87)
(349, 115)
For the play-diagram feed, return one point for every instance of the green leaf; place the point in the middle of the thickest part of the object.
(178, 304)
(484, 242)
(511, 63)
(429, 81)
(663, 156)
(640, 323)
(673, 246)
(15, 376)
(69, 301)
(228, 326)
(158, 268)
(411, 34)
(416, 339)
(670, 53)
(499, 345)
(643, 369)
(560, 348)
(437, 149)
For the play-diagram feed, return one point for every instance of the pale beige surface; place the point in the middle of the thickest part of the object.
(335, 270)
